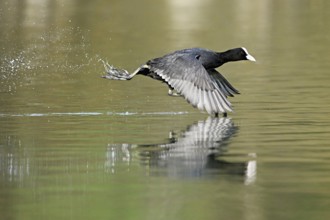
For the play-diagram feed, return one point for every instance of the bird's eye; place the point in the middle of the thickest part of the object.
(197, 57)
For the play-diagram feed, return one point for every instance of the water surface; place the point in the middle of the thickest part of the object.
(76, 146)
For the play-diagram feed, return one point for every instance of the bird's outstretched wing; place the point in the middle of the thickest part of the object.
(222, 83)
(187, 75)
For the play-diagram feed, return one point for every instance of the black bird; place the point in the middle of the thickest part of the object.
(191, 73)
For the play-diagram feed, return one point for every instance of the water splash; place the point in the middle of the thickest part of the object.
(54, 51)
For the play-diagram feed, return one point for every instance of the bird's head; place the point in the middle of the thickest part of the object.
(235, 54)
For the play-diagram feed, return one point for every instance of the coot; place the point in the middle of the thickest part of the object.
(191, 73)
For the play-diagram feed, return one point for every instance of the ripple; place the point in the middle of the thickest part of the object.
(89, 114)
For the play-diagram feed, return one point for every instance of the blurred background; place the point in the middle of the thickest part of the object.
(76, 146)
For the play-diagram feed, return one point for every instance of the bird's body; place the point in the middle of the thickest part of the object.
(191, 72)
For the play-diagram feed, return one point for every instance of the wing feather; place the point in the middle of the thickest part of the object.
(200, 87)
(223, 83)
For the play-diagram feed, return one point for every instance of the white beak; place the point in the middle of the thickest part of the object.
(251, 58)
(248, 56)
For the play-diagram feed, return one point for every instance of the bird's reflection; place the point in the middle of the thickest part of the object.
(195, 152)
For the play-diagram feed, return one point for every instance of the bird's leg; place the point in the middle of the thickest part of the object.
(217, 114)
(172, 92)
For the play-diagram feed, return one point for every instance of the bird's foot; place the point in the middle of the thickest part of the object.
(115, 73)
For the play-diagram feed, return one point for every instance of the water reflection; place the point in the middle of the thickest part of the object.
(197, 151)
(200, 150)
(14, 161)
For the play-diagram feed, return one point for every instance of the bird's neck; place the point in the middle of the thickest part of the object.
(224, 57)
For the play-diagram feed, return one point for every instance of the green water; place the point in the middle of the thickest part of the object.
(76, 146)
